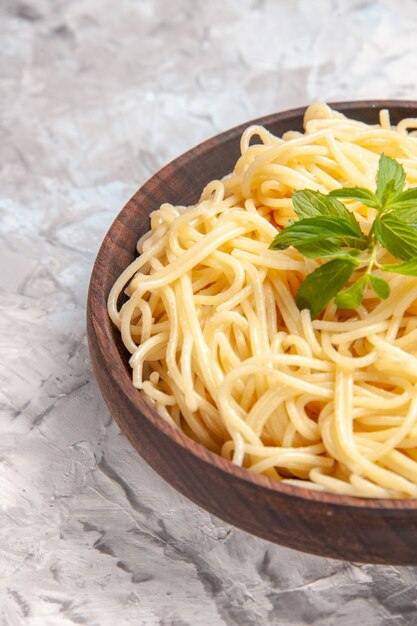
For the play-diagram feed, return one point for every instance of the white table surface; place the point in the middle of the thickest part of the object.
(95, 96)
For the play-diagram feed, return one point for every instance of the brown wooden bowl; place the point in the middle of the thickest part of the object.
(343, 527)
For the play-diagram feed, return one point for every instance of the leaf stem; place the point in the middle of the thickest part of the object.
(372, 260)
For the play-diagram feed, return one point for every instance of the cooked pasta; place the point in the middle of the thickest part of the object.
(221, 351)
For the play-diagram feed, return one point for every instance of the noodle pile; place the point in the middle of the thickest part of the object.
(220, 349)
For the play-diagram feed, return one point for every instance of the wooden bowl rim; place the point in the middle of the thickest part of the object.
(100, 325)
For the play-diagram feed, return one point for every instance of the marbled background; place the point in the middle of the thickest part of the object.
(94, 97)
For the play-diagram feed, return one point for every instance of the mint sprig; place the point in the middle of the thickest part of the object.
(327, 229)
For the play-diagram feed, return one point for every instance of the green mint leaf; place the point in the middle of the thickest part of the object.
(357, 193)
(344, 252)
(315, 234)
(320, 249)
(319, 287)
(390, 178)
(407, 215)
(352, 297)
(380, 286)
(409, 268)
(405, 200)
(396, 236)
(326, 249)
(309, 203)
